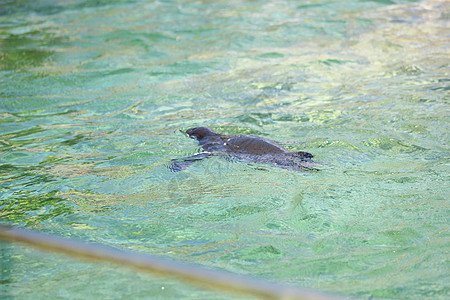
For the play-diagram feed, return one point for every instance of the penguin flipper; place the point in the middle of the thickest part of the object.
(182, 164)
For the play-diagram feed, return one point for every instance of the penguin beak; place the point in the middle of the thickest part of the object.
(189, 132)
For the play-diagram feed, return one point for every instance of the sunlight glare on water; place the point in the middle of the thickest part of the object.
(94, 95)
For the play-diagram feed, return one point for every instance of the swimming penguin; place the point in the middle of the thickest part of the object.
(246, 148)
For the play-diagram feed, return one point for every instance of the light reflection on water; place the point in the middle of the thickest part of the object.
(94, 96)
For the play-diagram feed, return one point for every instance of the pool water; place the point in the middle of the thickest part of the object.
(94, 95)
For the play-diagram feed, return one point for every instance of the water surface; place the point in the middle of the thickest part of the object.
(94, 93)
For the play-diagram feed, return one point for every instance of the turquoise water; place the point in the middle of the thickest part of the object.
(94, 93)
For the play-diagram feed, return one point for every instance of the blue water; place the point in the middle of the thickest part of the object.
(94, 95)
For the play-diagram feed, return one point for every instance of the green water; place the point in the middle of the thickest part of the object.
(94, 93)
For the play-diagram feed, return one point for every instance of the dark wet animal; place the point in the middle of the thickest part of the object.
(252, 149)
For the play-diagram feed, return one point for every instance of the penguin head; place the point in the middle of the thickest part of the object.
(200, 132)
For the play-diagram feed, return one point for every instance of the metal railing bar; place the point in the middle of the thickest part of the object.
(202, 277)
